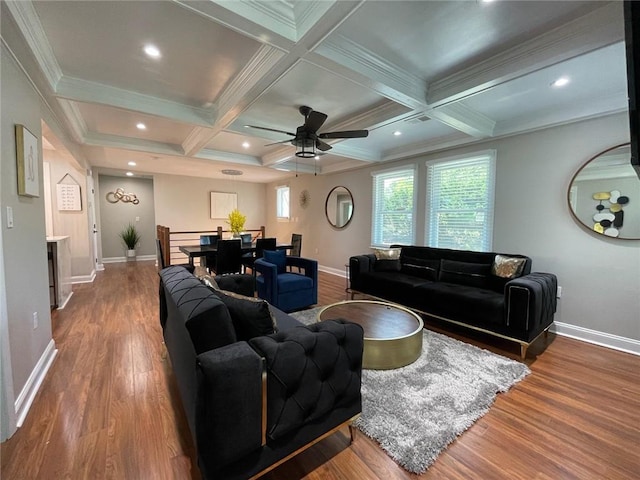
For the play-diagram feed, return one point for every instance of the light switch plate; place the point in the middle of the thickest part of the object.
(9, 217)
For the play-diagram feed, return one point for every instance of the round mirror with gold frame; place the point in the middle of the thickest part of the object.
(339, 207)
(604, 194)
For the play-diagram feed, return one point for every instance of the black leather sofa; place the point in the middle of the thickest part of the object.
(468, 288)
(253, 403)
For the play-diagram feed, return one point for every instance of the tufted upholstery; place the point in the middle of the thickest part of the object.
(531, 301)
(309, 375)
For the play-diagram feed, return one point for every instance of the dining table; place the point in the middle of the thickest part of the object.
(196, 251)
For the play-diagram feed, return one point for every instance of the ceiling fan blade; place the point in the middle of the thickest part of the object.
(322, 146)
(314, 121)
(278, 143)
(271, 130)
(345, 134)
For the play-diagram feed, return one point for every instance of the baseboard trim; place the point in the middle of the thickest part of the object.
(100, 267)
(603, 339)
(139, 258)
(66, 300)
(332, 271)
(84, 278)
(28, 393)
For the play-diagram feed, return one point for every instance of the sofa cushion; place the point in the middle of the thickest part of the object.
(505, 266)
(421, 267)
(476, 306)
(387, 259)
(278, 258)
(293, 282)
(251, 316)
(465, 273)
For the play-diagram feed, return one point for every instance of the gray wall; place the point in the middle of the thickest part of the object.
(531, 217)
(116, 216)
(24, 247)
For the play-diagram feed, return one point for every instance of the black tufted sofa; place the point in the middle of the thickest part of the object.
(253, 404)
(460, 287)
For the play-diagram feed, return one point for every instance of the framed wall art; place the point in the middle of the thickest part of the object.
(222, 203)
(28, 160)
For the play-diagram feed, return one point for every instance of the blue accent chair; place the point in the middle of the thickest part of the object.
(285, 290)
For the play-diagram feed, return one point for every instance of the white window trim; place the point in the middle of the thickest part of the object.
(279, 218)
(410, 166)
(491, 153)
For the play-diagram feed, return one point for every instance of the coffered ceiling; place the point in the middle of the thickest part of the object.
(441, 73)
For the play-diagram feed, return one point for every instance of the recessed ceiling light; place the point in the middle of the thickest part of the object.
(246, 144)
(129, 174)
(560, 82)
(231, 172)
(152, 51)
(397, 133)
(132, 164)
(141, 126)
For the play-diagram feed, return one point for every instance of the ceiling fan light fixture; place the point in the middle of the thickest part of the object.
(306, 150)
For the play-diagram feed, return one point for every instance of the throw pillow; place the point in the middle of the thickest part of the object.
(464, 273)
(421, 267)
(507, 267)
(387, 259)
(251, 316)
(210, 282)
(277, 257)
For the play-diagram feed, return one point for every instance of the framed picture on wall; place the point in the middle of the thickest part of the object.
(222, 203)
(28, 160)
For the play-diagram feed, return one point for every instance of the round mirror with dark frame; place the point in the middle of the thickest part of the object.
(604, 194)
(339, 207)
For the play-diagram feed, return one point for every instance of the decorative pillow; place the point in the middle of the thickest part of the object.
(278, 258)
(464, 273)
(387, 253)
(210, 282)
(421, 267)
(507, 267)
(251, 316)
(387, 259)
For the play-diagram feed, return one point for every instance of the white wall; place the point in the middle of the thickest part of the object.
(600, 277)
(24, 246)
(182, 203)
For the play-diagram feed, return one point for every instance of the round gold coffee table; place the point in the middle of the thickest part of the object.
(392, 333)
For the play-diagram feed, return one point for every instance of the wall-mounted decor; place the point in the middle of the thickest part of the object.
(120, 196)
(223, 203)
(68, 194)
(339, 207)
(604, 195)
(305, 198)
(28, 159)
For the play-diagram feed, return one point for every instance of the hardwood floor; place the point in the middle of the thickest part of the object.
(107, 408)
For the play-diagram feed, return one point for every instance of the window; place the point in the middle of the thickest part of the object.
(282, 202)
(393, 207)
(460, 195)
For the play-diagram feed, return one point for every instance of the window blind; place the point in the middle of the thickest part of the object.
(460, 197)
(393, 207)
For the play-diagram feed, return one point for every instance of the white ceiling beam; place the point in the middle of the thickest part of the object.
(592, 31)
(465, 119)
(128, 143)
(86, 91)
(229, 157)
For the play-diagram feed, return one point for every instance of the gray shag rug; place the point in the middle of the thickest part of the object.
(414, 412)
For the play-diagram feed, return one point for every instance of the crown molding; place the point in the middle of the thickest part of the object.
(128, 143)
(276, 16)
(594, 30)
(29, 24)
(74, 119)
(86, 91)
(464, 119)
(342, 166)
(388, 79)
(308, 14)
(428, 146)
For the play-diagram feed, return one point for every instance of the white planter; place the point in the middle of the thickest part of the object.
(131, 254)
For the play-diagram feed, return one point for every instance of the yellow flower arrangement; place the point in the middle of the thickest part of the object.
(236, 221)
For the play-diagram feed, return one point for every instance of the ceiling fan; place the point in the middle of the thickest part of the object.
(307, 138)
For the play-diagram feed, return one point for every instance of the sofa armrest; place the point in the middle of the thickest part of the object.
(531, 302)
(229, 404)
(310, 372)
(268, 287)
(359, 264)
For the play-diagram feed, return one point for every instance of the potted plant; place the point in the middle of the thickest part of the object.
(131, 238)
(236, 222)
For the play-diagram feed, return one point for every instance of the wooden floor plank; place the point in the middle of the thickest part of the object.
(109, 406)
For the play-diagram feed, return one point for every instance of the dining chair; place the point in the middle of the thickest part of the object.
(296, 247)
(262, 244)
(245, 238)
(209, 240)
(228, 257)
(161, 262)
